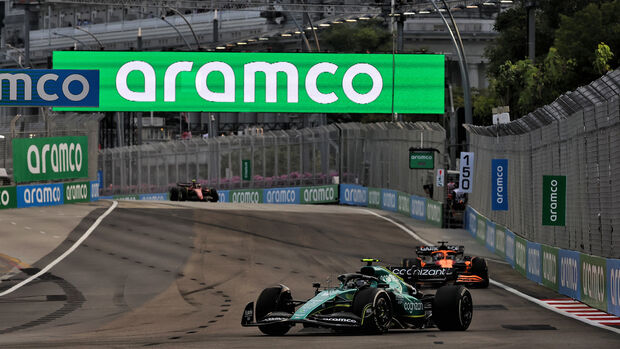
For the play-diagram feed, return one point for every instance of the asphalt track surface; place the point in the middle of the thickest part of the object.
(178, 276)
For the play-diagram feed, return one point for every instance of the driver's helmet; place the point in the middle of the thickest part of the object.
(437, 256)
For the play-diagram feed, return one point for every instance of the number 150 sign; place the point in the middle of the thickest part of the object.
(467, 171)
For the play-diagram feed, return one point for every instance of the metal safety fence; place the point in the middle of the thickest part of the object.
(365, 154)
(47, 124)
(576, 136)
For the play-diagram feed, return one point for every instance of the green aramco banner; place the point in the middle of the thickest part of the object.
(41, 159)
(263, 82)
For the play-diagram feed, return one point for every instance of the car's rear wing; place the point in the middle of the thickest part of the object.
(428, 250)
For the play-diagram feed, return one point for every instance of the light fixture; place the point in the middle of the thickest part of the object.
(220, 48)
(472, 6)
(251, 40)
(506, 1)
(297, 32)
(424, 12)
(242, 43)
(351, 20)
(338, 21)
(364, 18)
(324, 25)
(286, 35)
(409, 13)
(263, 39)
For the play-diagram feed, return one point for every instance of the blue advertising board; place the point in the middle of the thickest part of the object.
(388, 199)
(224, 195)
(534, 262)
(490, 236)
(154, 197)
(570, 273)
(418, 207)
(510, 247)
(40, 195)
(281, 196)
(499, 184)
(471, 221)
(94, 190)
(49, 87)
(353, 194)
(613, 286)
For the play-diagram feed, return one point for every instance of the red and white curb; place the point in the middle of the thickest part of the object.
(584, 311)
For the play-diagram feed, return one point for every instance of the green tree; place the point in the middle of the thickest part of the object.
(359, 37)
(603, 56)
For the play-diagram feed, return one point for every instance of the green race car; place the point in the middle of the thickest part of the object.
(372, 300)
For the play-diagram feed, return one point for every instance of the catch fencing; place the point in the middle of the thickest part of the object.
(577, 136)
(373, 155)
(49, 125)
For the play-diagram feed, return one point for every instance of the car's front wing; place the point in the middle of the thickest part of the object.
(335, 320)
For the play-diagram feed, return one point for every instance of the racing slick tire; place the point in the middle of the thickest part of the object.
(479, 268)
(174, 194)
(452, 308)
(272, 299)
(211, 195)
(183, 194)
(378, 320)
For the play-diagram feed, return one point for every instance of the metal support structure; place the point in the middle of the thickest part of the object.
(531, 29)
(189, 25)
(92, 35)
(163, 18)
(27, 35)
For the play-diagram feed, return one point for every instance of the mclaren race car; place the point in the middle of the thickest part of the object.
(438, 265)
(193, 192)
(370, 301)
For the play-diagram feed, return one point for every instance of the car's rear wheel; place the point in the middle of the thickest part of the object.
(374, 306)
(452, 308)
(479, 268)
(182, 194)
(174, 194)
(274, 299)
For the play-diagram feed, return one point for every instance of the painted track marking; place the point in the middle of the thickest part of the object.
(65, 254)
(518, 293)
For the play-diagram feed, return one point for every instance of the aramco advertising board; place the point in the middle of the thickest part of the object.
(263, 82)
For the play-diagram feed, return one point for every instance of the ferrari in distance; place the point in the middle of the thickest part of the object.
(193, 192)
(438, 265)
(370, 301)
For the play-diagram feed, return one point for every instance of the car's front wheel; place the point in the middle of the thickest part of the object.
(374, 306)
(479, 267)
(273, 299)
(452, 308)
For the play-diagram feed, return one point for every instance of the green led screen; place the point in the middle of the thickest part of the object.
(263, 82)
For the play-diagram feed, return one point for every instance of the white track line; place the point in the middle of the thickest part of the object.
(500, 285)
(64, 255)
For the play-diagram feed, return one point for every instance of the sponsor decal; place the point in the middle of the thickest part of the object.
(434, 212)
(550, 267)
(129, 197)
(413, 306)
(499, 184)
(431, 272)
(318, 195)
(421, 159)
(613, 286)
(47, 158)
(77, 192)
(418, 207)
(490, 236)
(593, 285)
(388, 200)
(510, 247)
(49, 87)
(264, 82)
(403, 203)
(40, 195)
(570, 273)
(94, 190)
(534, 262)
(339, 319)
(281, 196)
(351, 194)
(374, 198)
(521, 255)
(248, 196)
(554, 200)
(8, 197)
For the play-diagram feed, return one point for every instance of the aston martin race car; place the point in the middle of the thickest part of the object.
(438, 265)
(193, 192)
(370, 301)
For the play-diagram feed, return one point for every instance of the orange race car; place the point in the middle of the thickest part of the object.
(437, 265)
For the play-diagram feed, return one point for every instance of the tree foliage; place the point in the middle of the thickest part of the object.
(359, 37)
(575, 44)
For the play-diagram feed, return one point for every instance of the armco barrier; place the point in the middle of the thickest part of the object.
(319, 195)
(589, 279)
(353, 194)
(388, 200)
(374, 198)
(281, 196)
(77, 192)
(94, 190)
(40, 195)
